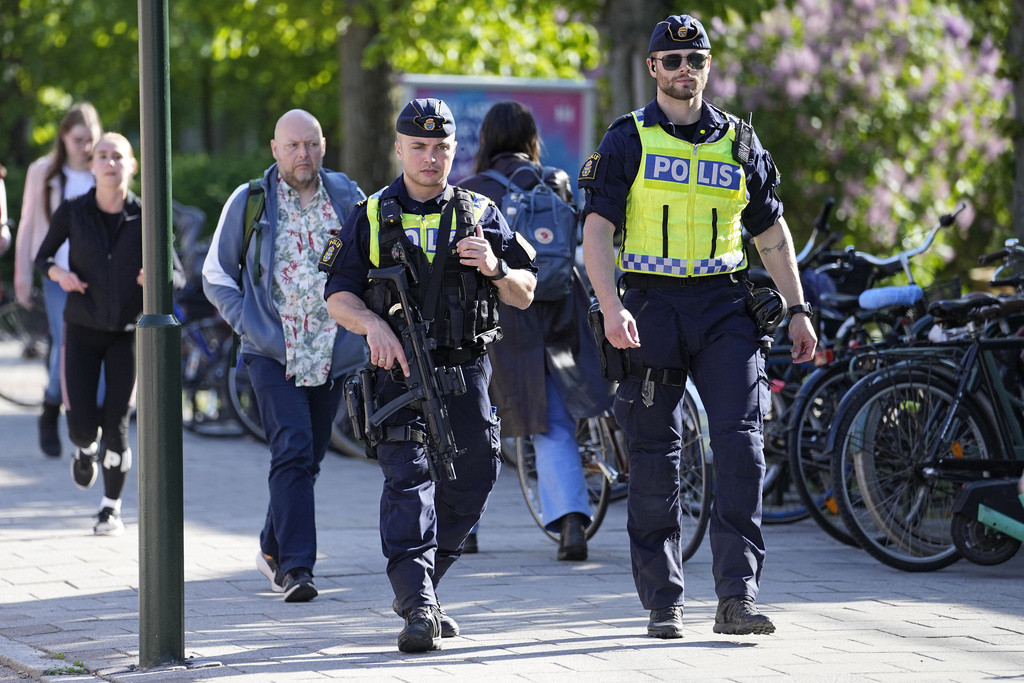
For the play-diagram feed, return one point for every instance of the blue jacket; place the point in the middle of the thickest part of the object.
(250, 310)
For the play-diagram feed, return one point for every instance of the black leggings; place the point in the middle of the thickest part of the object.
(86, 352)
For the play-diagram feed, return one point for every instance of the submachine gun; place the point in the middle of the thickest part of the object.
(427, 386)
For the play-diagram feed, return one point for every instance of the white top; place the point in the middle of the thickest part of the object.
(76, 184)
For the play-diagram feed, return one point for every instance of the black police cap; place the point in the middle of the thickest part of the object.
(679, 32)
(426, 118)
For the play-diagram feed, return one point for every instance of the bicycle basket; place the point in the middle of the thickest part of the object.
(946, 289)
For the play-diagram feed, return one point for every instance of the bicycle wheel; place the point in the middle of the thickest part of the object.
(24, 352)
(243, 400)
(205, 350)
(887, 444)
(781, 504)
(695, 479)
(596, 447)
(809, 463)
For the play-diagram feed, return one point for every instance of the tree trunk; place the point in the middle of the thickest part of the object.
(627, 27)
(368, 111)
(1015, 57)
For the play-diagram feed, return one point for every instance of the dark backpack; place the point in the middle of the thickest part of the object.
(548, 223)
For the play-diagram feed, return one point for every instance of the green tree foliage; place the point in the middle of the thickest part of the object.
(895, 107)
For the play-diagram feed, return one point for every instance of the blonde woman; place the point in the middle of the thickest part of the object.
(103, 282)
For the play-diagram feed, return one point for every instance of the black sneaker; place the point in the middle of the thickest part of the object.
(449, 627)
(666, 622)
(108, 523)
(269, 567)
(298, 585)
(422, 630)
(738, 616)
(84, 469)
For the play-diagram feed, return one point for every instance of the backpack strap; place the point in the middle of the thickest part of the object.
(494, 175)
(254, 207)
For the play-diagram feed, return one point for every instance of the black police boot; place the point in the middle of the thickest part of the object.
(738, 616)
(666, 622)
(449, 627)
(572, 545)
(49, 437)
(422, 630)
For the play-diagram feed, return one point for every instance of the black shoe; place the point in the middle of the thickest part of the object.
(49, 437)
(572, 545)
(298, 585)
(470, 547)
(449, 627)
(422, 630)
(666, 622)
(84, 469)
(738, 616)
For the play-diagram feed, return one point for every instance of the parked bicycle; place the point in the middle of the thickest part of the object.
(606, 469)
(24, 350)
(909, 435)
(876, 318)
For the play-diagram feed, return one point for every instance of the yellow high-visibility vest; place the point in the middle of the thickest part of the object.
(683, 209)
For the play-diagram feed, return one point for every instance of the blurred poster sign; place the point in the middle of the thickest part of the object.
(563, 110)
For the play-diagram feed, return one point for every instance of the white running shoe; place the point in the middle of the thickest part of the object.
(109, 523)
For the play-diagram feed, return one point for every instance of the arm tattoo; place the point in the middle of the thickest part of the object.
(781, 246)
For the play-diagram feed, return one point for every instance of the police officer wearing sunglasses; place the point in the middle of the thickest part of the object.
(676, 181)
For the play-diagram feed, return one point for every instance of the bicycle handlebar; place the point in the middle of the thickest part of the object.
(1010, 249)
(891, 265)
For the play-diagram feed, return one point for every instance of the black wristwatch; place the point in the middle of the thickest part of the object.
(502, 271)
(799, 308)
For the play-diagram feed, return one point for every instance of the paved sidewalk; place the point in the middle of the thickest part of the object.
(841, 615)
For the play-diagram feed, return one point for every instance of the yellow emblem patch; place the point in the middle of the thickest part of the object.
(330, 252)
(589, 169)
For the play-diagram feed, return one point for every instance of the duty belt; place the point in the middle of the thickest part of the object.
(653, 280)
(673, 377)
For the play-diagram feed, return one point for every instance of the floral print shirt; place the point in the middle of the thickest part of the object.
(298, 289)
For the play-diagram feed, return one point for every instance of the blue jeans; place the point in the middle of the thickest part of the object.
(559, 469)
(297, 422)
(55, 299)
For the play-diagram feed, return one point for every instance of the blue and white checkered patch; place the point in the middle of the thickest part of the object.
(641, 263)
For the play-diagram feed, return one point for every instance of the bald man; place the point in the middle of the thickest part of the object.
(269, 290)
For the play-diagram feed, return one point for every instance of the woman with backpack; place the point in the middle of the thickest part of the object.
(547, 373)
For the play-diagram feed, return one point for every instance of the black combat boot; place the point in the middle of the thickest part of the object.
(49, 437)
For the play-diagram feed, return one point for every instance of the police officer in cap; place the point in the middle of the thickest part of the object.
(685, 176)
(424, 524)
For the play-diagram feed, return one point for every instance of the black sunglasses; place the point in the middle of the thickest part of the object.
(694, 60)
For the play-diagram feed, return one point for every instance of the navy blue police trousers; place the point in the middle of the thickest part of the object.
(702, 329)
(423, 524)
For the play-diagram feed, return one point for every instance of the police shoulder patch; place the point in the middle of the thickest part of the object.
(589, 169)
(330, 253)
